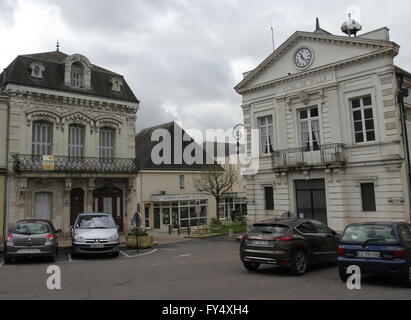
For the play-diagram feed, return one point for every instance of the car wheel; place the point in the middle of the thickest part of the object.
(407, 278)
(251, 266)
(115, 254)
(343, 274)
(300, 263)
(7, 260)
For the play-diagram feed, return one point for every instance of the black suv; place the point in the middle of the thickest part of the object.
(290, 243)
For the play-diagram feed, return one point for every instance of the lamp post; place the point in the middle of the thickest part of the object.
(237, 134)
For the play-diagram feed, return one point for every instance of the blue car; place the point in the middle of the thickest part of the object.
(377, 248)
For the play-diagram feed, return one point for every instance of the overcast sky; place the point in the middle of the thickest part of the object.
(183, 58)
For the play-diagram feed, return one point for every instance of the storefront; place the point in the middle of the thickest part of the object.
(178, 210)
(233, 203)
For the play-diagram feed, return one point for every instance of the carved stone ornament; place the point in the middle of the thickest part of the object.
(304, 97)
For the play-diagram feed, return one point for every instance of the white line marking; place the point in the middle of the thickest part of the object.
(183, 256)
(125, 254)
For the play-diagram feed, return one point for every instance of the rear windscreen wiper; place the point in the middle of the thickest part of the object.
(370, 240)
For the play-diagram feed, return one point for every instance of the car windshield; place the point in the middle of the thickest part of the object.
(31, 229)
(370, 233)
(276, 229)
(95, 222)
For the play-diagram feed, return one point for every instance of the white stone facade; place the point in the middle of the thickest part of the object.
(342, 69)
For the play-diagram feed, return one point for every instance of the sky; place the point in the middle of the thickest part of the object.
(183, 58)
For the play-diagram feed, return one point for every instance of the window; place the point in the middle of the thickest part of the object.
(265, 125)
(76, 141)
(363, 117)
(77, 75)
(306, 228)
(321, 228)
(269, 198)
(107, 143)
(310, 129)
(405, 231)
(368, 197)
(42, 138)
(182, 182)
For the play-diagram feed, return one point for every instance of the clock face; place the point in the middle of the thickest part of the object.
(303, 58)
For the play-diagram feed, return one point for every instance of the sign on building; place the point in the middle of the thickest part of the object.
(48, 163)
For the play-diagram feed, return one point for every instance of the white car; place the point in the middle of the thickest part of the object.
(95, 233)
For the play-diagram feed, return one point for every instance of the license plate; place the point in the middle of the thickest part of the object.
(368, 254)
(97, 246)
(259, 243)
(26, 251)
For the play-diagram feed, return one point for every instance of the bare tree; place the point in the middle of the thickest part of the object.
(216, 182)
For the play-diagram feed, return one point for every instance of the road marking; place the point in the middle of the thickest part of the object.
(70, 258)
(183, 256)
(138, 255)
(169, 249)
(125, 254)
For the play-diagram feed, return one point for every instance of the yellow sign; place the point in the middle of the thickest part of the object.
(48, 163)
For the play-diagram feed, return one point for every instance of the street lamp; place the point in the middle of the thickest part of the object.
(237, 134)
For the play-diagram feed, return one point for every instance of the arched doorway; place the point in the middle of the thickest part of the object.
(76, 204)
(110, 200)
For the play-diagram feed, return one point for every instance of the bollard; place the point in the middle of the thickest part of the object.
(170, 229)
(230, 233)
(179, 229)
(188, 230)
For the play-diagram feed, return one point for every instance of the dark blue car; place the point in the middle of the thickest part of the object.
(377, 248)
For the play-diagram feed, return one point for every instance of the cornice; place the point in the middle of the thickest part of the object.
(319, 70)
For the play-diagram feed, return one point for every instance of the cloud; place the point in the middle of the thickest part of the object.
(182, 58)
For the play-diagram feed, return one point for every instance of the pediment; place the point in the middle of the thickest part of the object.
(327, 50)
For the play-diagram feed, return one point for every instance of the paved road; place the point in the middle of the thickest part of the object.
(198, 269)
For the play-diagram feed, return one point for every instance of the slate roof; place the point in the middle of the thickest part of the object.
(144, 146)
(53, 77)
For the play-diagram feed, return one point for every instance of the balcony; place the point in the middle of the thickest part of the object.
(31, 163)
(325, 155)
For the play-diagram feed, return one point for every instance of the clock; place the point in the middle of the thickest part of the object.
(303, 58)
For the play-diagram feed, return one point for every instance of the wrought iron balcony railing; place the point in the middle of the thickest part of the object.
(24, 163)
(312, 156)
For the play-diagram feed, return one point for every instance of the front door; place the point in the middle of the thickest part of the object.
(76, 204)
(311, 199)
(110, 200)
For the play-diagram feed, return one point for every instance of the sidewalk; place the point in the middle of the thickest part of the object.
(164, 238)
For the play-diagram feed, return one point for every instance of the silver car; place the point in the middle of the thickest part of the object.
(95, 233)
(31, 238)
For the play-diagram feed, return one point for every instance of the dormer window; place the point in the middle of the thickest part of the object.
(77, 74)
(116, 84)
(37, 70)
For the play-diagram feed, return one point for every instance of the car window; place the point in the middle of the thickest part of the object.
(322, 228)
(306, 227)
(31, 228)
(405, 231)
(95, 222)
(376, 233)
(276, 229)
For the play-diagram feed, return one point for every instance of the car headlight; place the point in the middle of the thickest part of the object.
(114, 238)
(78, 237)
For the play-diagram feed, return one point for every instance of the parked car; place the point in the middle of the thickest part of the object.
(32, 238)
(95, 233)
(377, 248)
(289, 243)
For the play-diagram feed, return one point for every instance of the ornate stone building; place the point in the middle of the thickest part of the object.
(71, 145)
(332, 138)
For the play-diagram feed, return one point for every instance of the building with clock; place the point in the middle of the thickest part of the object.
(69, 147)
(333, 128)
